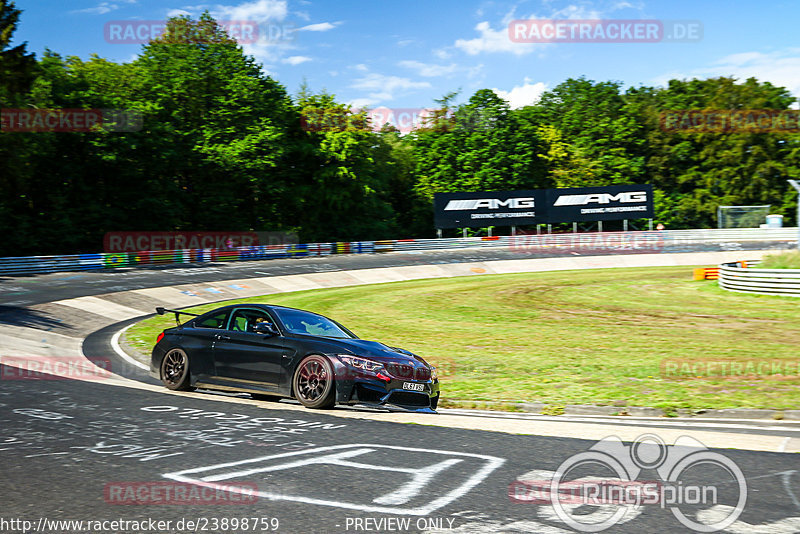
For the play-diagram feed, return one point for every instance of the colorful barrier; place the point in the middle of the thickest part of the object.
(535, 245)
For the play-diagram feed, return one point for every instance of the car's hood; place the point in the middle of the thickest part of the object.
(376, 350)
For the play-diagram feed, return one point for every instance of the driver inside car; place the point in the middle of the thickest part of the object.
(258, 320)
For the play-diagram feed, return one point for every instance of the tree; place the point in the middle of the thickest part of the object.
(489, 147)
(696, 172)
(17, 66)
(215, 130)
(340, 192)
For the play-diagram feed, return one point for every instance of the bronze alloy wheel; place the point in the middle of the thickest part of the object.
(175, 370)
(313, 383)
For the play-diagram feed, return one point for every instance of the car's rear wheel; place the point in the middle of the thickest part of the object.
(313, 383)
(175, 370)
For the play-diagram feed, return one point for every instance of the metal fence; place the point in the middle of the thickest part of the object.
(532, 245)
(745, 277)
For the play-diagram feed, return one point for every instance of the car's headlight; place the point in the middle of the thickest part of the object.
(361, 363)
(434, 374)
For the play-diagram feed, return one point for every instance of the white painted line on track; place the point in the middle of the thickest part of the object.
(338, 455)
(121, 353)
(710, 423)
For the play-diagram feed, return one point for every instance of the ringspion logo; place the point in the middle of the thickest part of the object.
(600, 488)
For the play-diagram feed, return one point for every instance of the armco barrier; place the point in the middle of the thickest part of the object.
(743, 277)
(646, 242)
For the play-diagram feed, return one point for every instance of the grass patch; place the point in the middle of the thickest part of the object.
(786, 260)
(570, 337)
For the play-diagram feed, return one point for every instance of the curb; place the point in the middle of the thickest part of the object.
(541, 408)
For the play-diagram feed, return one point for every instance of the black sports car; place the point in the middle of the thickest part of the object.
(274, 351)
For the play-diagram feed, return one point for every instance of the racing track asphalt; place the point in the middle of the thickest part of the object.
(63, 442)
(70, 450)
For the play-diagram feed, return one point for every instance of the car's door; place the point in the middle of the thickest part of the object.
(245, 356)
(198, 338)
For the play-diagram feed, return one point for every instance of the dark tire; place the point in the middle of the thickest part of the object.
(434, 402)
(266, 397)
(313, 383)
(175, 370)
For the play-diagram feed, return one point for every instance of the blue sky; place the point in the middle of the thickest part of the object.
(406, 54)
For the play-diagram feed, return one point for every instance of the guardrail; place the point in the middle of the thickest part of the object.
(742, 276)
(592, 243)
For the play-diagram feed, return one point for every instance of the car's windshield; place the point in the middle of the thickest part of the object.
(301, 322)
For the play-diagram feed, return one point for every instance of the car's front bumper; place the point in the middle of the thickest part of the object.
(354, 387)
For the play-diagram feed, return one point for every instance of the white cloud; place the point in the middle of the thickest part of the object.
(178, 13)
(429, 70)
(492, 40)
(358, 103)
(627, 5)
(781, 68)
(361, 67)
(382, 88)
(374, 81)
(574, 12)
(319, 27)
(296, 60)
(522, 95)
(302, 15)
(102, 8)
(259, 11)
(442, 54)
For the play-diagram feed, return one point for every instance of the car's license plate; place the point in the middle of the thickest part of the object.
(413, 387)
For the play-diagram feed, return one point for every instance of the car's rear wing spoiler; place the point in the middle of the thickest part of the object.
(162, 311)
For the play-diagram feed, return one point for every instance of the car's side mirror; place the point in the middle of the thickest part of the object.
(266, 329)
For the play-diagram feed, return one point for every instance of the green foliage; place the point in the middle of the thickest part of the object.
(224, 147)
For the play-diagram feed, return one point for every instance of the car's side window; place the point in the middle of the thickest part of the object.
(245, 320)
(213, 321)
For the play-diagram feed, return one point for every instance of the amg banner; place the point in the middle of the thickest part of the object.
(482, 209)
(607, 203)
(537, 206)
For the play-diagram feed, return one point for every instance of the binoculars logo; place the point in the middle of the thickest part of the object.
(681, 469)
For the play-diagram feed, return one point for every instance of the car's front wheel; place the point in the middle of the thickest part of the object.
(175, 370)
(313, 383)
(435, 402)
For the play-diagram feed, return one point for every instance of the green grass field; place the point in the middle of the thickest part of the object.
(786, 260)
(578, 337)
